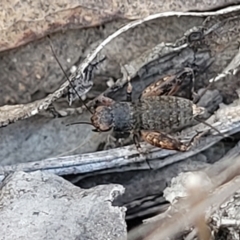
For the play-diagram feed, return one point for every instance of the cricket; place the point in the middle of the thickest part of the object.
(156, 115)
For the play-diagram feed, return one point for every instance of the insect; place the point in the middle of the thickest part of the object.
(154, 116)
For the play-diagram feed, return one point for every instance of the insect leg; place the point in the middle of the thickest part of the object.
(110, 142)
(136, 140)
(129, 90)
(106, 101)
(161, 87)
(165, 141)
(169, 85)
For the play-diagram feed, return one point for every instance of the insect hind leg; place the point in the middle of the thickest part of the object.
(165, 141)
(170, 85)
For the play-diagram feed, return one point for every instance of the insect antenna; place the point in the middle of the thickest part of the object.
(76, 123)
(87, 123)
(212, 127)
(60, 65)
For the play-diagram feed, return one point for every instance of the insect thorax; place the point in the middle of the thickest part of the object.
(122, 116)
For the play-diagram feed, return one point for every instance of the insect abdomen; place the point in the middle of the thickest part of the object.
(163, 113)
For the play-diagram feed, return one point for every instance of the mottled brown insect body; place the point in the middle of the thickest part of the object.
(159, 113)
(155, 115)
